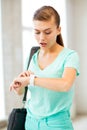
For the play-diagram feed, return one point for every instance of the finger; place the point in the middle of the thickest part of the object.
(30, 72)
(27, 73)
(11, 86)
(14, 85)
(17, 83)
(23, 74)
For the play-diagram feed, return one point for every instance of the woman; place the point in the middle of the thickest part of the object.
(51, 75)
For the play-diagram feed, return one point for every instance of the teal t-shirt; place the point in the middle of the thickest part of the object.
(44, 102)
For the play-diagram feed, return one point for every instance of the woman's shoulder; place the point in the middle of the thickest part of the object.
(69, 51)
(72, 59)
(70, 54)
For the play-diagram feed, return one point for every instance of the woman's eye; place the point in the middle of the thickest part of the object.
(37, 32)
(47, 32)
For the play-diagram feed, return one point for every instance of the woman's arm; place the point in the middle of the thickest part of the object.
(58, 84)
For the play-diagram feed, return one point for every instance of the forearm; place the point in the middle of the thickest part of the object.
(62, 84)
(56, 84)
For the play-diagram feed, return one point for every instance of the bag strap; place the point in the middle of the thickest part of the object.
(32, 51)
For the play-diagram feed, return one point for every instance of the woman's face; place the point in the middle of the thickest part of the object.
(46, 32)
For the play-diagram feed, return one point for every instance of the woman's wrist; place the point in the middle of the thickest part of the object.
(32, 79)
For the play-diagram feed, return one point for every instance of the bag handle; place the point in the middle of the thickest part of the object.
(32, 51)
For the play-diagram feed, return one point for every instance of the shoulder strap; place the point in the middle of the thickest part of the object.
(33, 50)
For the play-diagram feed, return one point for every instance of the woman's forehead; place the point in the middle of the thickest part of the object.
(43, 24)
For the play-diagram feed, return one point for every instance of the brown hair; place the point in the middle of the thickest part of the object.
(45, 13)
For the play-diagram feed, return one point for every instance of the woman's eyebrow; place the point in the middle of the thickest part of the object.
(47, 29)
(43, 30)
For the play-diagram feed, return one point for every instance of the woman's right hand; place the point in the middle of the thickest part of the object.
(20, 82)
(15, 86)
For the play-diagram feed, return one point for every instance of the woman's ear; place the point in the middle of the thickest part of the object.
(59, 30)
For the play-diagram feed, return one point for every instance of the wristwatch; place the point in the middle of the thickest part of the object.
(32, 76)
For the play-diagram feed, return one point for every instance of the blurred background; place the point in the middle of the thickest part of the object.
(16, 40)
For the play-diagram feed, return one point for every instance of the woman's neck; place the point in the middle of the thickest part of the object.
(54, 49)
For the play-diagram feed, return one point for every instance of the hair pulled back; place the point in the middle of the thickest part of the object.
(45, 13)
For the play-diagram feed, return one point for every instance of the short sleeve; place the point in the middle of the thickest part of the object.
(72, 61)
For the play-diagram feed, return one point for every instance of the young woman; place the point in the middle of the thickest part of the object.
(51, 75)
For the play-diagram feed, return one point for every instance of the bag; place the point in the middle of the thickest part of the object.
(16, 120)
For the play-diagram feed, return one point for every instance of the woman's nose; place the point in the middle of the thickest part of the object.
(42, 36)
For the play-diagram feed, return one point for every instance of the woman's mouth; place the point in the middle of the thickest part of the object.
(43, 44)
